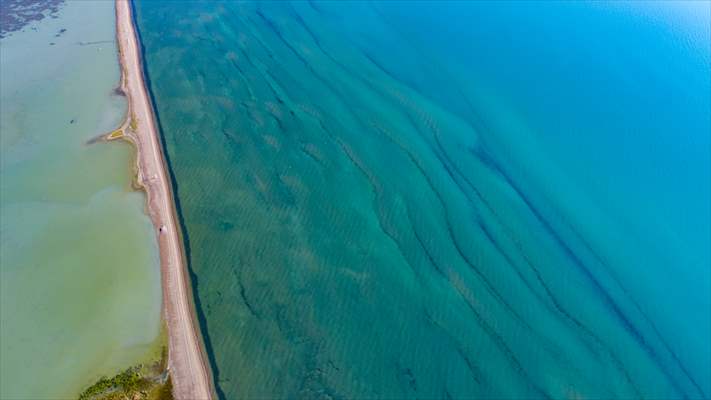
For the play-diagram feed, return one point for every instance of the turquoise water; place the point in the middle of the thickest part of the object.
(80, 293)
(483, 200)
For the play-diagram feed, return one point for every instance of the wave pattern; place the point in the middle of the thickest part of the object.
(351, 235)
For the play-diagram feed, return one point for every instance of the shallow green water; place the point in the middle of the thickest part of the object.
(407, 200)
(80, 284)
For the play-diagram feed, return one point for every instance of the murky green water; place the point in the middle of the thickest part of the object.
(78, 260)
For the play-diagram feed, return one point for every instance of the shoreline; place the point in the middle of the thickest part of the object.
(187, 361)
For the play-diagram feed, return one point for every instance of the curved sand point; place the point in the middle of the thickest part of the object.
(187, 363)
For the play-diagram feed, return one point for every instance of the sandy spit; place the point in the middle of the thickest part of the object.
(187, 362)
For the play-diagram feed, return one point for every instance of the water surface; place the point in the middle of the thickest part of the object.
(483, 200)
(80, 283)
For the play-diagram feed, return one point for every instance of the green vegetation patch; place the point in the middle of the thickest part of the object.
(165, 391)
(115, 134)
(134, 122)
(136, 383)
(129, 382)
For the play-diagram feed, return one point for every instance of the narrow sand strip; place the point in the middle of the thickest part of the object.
(187, 362)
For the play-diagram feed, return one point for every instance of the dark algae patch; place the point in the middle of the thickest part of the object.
(16, 14)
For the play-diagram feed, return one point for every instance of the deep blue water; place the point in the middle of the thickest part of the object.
(433, 200)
